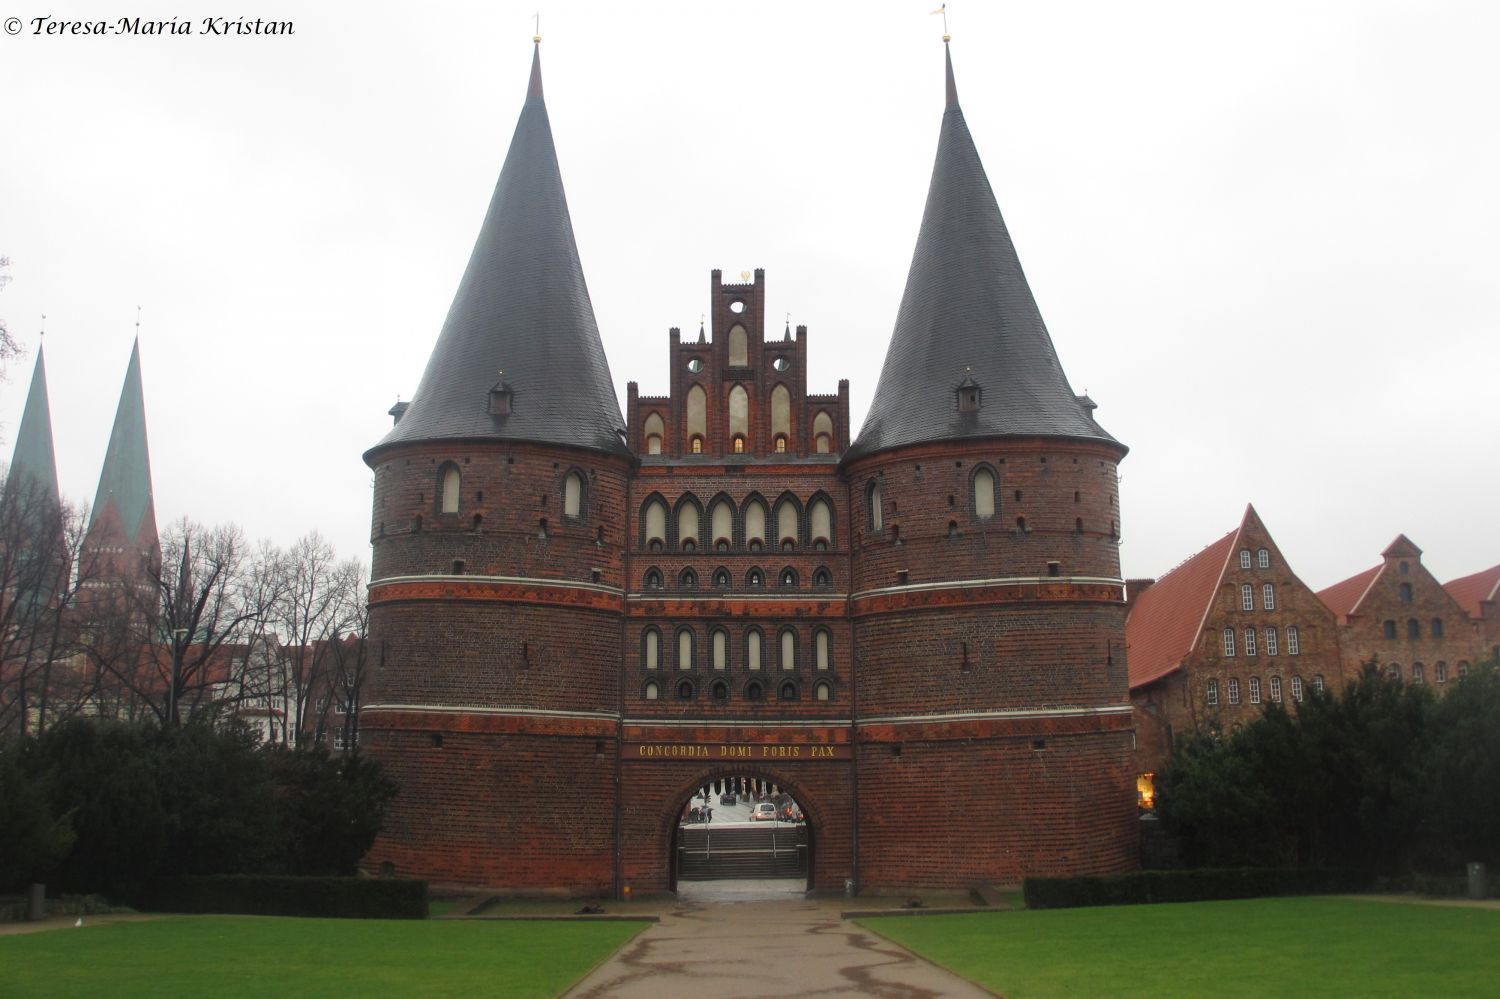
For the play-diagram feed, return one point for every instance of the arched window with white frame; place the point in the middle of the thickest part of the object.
(788, 649)
(451, 484)
(822, 649)
(984, 493)
(753, 644)
(573, 495)
(685, 649)
(651, 649)
(721, 649)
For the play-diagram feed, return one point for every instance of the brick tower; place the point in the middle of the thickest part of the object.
(987, 603)
(495, 595)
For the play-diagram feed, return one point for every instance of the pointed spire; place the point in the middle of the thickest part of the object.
(34, 459)
(523, 307)
(968, 320)
(124, 502)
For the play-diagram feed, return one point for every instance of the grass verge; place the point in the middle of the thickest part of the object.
(1257, 947)
(258, 956)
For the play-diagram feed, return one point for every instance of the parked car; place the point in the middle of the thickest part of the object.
(765, 811)
(728, 798)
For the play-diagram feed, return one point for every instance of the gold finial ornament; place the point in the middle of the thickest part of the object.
(745, 276)
(537, 27)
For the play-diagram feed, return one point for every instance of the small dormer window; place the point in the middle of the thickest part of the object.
(968, 396)
(500, 399)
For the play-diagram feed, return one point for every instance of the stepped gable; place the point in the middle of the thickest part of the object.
(967, 318)
(521, 325)
(124, 501)
(34, 457)
(1344, 597)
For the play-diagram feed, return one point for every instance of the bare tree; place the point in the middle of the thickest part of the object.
(170, 644)
(320, 600)
(40, 572)
(9, 348)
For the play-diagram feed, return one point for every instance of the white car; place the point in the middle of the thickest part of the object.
(764, 810)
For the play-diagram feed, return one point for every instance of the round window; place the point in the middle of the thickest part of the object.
(781, 364)
(736, 306)
(695, 365)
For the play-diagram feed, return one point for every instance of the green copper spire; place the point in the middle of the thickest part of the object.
(125, 481)
(34, 458)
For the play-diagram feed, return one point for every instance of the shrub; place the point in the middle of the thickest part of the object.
(1199, 885)
(273, 895)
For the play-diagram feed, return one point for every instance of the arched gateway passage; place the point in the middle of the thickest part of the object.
(740, 826)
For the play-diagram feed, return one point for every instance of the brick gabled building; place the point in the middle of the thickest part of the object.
(1397, 616)
(1220, 635)
(1479, 596)
(918, 633)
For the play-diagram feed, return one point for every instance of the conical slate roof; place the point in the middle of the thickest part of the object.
(125, 480)
(521, 321)
(967, 317)
(34, 458)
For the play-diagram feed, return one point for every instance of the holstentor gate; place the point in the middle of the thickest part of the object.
(578, 619)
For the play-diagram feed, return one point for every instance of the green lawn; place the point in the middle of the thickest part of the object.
(261, 956)
(1262, 947)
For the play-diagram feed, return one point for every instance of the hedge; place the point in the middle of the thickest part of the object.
(1143, 887)
(266, 895)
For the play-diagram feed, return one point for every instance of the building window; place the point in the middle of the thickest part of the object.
(697, 445)
(822, 654)
(1271, 644)
(754, 579)
(1249, 641)
(1418, 673)
(1232, 688)
(651, 648)
(1393, 671)
(1244, 558)
(1212, 694)
(652, 690)
(451, 484)
(787, 691)
(1276, 689)
(822, 691)
(1247, 597)
(820, 522)
(1263, 559)
(573, 495)
(1268, 596)
(1437, 627)
(739, 445)
(1440, 672)
(873, 511)
(688, 580)
(687, 524)
(1463, 668)
(656, 524)
(654, 429)
(721, 579)
(1255, 690)
(984, 494)
(1405, 590)
(822, 433)
(1413, 628)
(822, 578)
(653, 579)
(788, 649)
(721, 649)
(781, 443)
(1292, 647)
(752, 648)
(685, 649)
(754, 691)
(685, 690)
(1297, 689)
(720, 691)
(1229, 641)
(1318, 682)
(1389, 629)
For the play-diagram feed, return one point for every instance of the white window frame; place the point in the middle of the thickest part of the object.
(1297, 689)
(1276, 689)
(1263, 559)
(1292, 646)
(1272, 645)
(1228, 642)
(1247, 597)
(1211, 695)
(1250, 642)
(1268, 596)
(1232, 688)
(1244, 558)
(1255, 690)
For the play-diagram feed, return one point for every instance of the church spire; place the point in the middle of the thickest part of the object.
(124, 506)
(519, 356)
(34, 459)
(970, 356)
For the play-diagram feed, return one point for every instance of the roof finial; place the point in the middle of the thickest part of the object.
(137, 322)
(43, 333)
(537, 27)
(534, 90)
(943, 10)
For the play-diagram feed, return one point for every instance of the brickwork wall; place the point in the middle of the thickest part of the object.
(1295, 605)
(962, 813)
(930, 528)
(1362, 638)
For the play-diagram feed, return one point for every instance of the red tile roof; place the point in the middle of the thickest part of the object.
(1166, 619)
(1471, 591)
(1344, 598)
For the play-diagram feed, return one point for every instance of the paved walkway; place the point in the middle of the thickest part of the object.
(760, 940)
(70, 922)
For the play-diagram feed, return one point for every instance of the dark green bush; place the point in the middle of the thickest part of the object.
(1200, 885)
(271, 895)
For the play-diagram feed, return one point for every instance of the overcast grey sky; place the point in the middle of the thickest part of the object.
(1263, 236)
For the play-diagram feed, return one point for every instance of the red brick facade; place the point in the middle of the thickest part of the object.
(944, 694)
